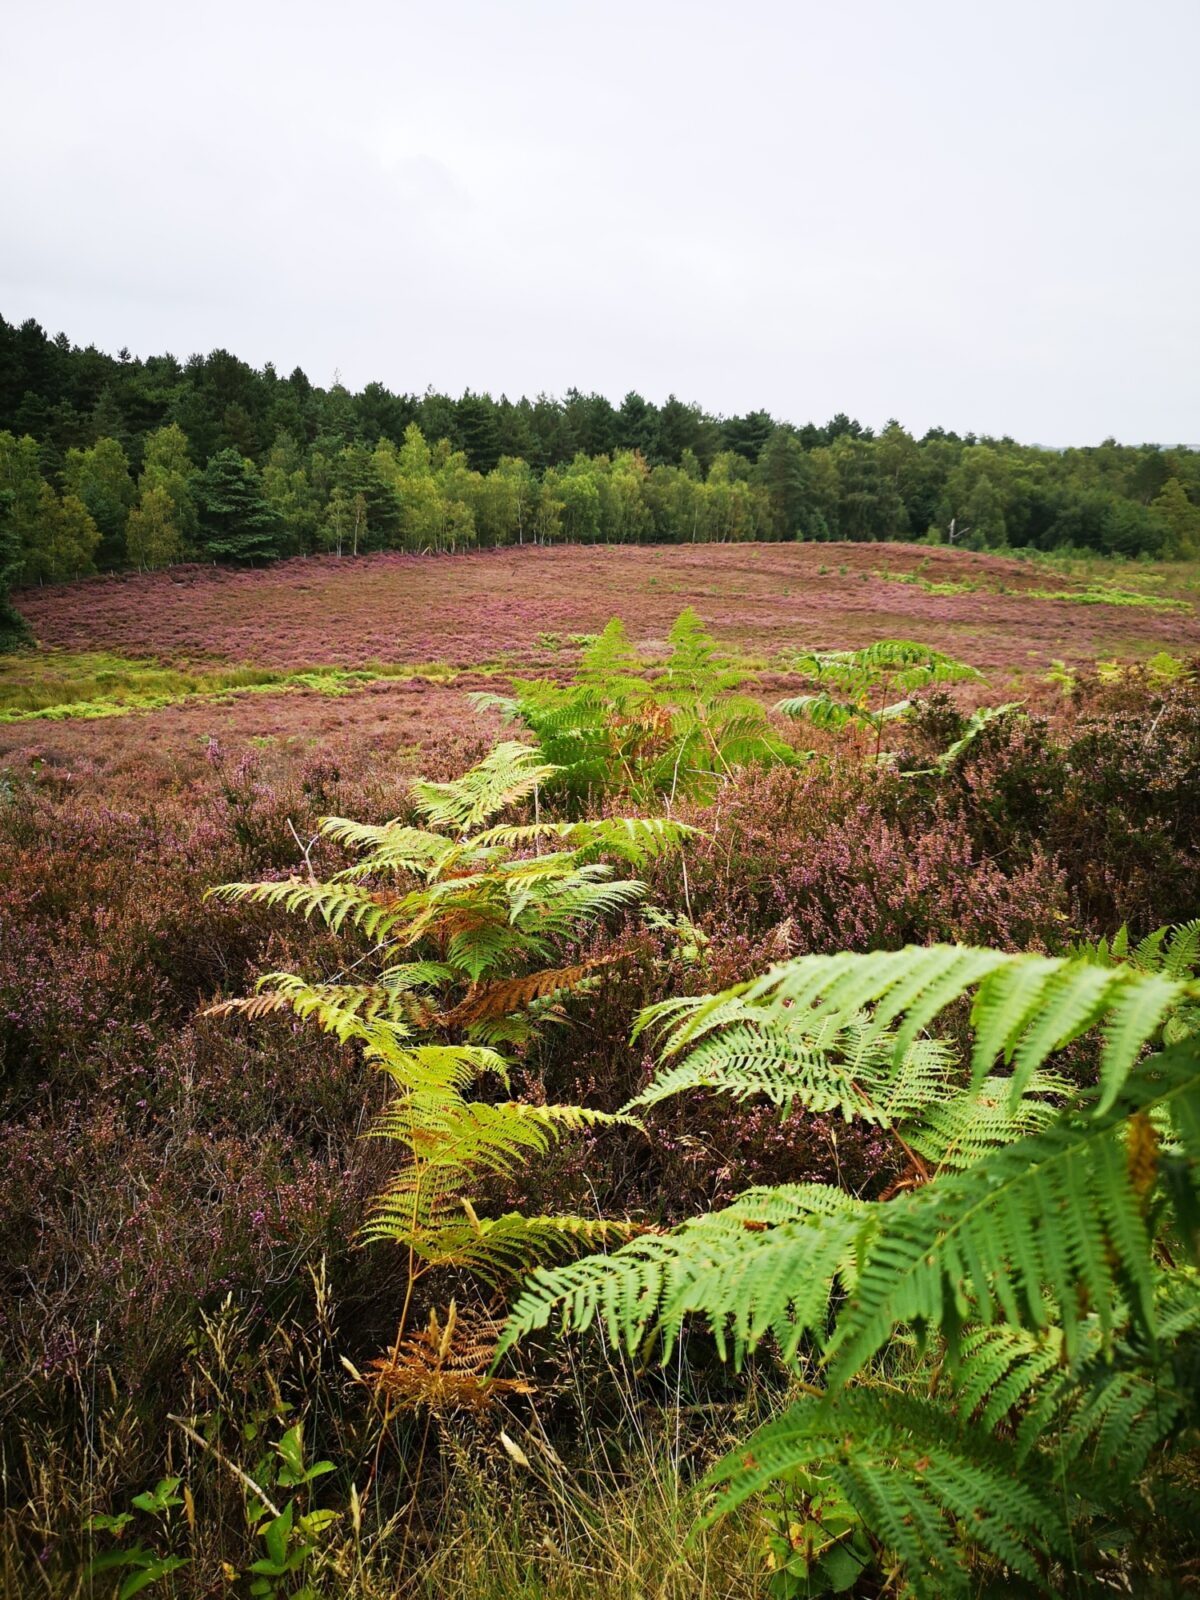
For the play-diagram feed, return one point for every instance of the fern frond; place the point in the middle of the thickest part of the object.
(960, 1130)
(1181, 956)
(1026, 1007)
(443, 1366)
(443, 1131)
(633, 839)
(1048, 1228)
(713, 1264)
(832, 1068)
(918, 1480)
(999, 1367)
(348, 1011)
(510, 773)
(977, 724)
(567, 903)
(819, 709)
(610, 661)
(498, 1248)
(336, 904)
(400, 843)
(485, 700)
(443, 1069)
(493, 1000)
(1101, 1415)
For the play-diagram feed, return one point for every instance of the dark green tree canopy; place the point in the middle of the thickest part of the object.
(236, 522)
(641, 470)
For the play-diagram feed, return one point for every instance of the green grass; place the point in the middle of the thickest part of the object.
(1096, 571)
(1098, 590)
(1110, 597)
(927, 584)
(55, 686)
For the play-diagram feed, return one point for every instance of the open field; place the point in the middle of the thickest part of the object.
(270, 659)
(180, 1192)
(521, 605)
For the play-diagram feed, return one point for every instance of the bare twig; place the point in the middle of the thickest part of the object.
(230, 1466)
(304, 849)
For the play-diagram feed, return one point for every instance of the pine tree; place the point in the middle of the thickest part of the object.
(236, 522)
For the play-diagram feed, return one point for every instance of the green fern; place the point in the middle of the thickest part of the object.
(511, 773)
(621, 725)
(1047, 1231)
(769, 1263)
(840, 1065)
(975, 727)
(793, 1056)
(468, 928)
(1025, 1009)
(498, 1250)
(850, 683)
(920, 1482)
(1031, 1264)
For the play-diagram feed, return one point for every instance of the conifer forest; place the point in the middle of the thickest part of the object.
(599, 986)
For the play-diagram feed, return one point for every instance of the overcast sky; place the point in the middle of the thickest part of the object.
(980, 216)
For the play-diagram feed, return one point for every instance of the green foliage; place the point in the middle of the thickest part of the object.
(98, 479)
(236, 521)
(913, 1476)
(622, 726)
(57, 686)
(462, 924)
(1111, 597)
(292, 1538)
(14, 631)
(850, 683)
(751, 1047)
(141, 1567)
(974, 727)
(450, 1143)
(378, 470)
(1042, 1263)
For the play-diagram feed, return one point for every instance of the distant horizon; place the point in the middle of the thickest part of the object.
(285, 368)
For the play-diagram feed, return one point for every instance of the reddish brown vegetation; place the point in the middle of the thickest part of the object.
(467, 609)
(152, 1161)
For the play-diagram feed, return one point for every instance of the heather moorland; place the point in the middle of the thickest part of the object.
(245, 1349)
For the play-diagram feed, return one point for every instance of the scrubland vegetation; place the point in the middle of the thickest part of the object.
(119, 463)
(499, 1102)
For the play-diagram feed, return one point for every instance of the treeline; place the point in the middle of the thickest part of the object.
(108, 462)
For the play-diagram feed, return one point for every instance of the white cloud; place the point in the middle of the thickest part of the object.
(952, 214)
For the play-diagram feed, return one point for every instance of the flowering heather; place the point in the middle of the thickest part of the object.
(515, 603)
(154, 1163)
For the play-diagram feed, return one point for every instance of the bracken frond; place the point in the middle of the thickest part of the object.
(335, 903)
(444, 1366)
(716, 1265)
(920, 1482)
(494, 1000)
(1026, 1007)
(510, 773)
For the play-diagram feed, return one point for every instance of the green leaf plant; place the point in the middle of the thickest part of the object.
(465, 918)
(623, 726)
(994, 1361)
(854, 688)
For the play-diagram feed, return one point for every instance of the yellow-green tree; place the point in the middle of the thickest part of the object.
(1172, 506)
(152, 536)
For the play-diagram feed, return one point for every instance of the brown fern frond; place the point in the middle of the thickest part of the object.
(646, 731)
(492, 1000)
(445, 1365)
(250, 1006)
